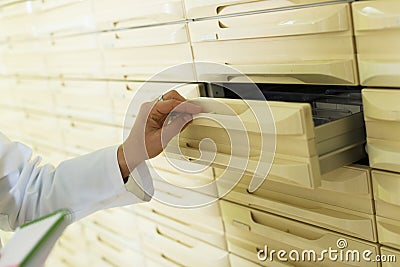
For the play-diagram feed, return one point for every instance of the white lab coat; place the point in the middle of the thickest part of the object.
(84, 185)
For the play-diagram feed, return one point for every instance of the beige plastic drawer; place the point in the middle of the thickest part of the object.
(89, 100)
(377, 31)
(127, 13)
(390, 257)
(343, 220)
(123, 93)
(382, 120)
(311, 45)
(388, 232)
(203, 223)
(80, 137)
(249, 230)
(347, 187)
(36, 128)
(79, 63)
(237, 261)
(138, 54)
(79, 42)
(207, 8)
(386, 193)
(7, 93)
(34, 95)
(24, 64)
(303, 152)
(179, 248)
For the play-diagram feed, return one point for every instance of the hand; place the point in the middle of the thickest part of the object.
(151, 131)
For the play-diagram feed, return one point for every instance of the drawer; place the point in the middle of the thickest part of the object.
(112, 250)
(80, 63)
(387, 200)
(348, 187)
(311, 45)
(303, 151)
(343, 220)
(125, 93)
(88, 100)
(203, 223)
(36, 128)
(138, 54)
(80, 137)
(388, 232)
(249, 231)
(117, 222)
(166, 243)
(68, 44)
(377, 30)
(34, 95)
(24, 63)
(237, 261)
(389, 257)
(382, 120)
(7, 93)
(208, 8)
(56, 20)
(127, 13)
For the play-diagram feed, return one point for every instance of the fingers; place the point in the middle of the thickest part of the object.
(173, 94)
(174, 127)
(165, 107)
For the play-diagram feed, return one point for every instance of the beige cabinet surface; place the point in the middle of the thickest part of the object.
(392, 257)
(388, 232)
(311, 45)
(386, 194)
(382, 120)
(377, 30)
(249, 231)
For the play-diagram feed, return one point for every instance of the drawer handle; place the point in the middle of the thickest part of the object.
(171, 260)
(159, 232)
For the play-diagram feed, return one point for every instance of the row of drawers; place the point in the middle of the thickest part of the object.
(311, 45)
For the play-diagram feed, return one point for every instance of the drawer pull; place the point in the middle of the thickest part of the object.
(163, 234)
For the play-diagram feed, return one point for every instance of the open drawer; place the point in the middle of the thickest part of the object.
(167, 244)
(377, 30)
(312, 138)
(249, 231)
(312, 45)
(339, 219)
(209, 8)
(382, 120)
(386, 193)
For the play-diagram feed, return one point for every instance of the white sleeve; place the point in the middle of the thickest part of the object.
(83, 185)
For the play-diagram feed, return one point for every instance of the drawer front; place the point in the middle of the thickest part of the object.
(344, 220)
(237, 261)
(391, 256)
(382, 119)
(387, 200)
(315, 48)
(34, 95)
(249, 231)
(388, 232)
(127, 13)
(179, 247)
(207, 8)
(347, 187)
(377, 30)
(24, 63)
(202, 223)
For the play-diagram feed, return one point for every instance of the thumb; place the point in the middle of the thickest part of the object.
(174, 127)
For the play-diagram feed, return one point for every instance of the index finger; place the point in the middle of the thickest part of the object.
(173, 94)
(166, 106)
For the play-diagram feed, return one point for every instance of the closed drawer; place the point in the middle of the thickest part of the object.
(382, 120)
(309, 45)
(127, 13)
(390, 257)
(343, 220)
(34, 95)
(348, 187)
(169, 244)
(303, 151)
(377, 30)
(249, 231)
(386, 194)
(203, 223)
(36, 128)
(83, 137)
(24, 63)
(127, 97)
(237, 261)
(208, 8)
(7, 93)
(88, 100)
(388, 232)
(138, 54)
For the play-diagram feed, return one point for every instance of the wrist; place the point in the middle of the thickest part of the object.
(125, 166)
